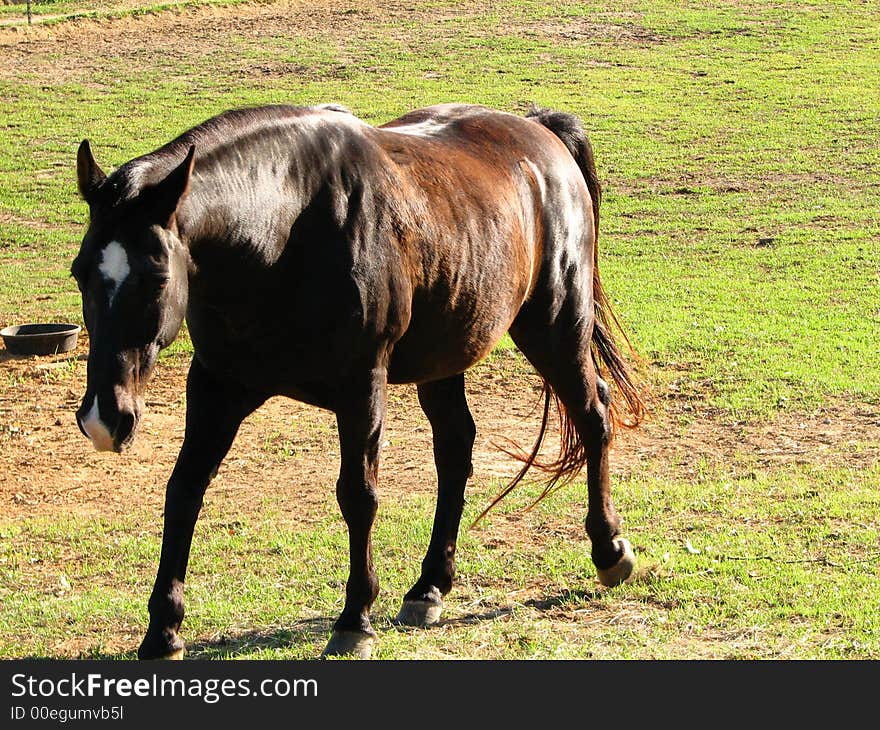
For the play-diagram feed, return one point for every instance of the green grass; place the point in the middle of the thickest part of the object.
(738, 149)
(737, 146)
(766, 565)
(49, 12)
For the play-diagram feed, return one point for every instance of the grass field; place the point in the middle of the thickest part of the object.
(738, 149)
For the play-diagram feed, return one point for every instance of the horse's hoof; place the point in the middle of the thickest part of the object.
(419, 613)
(620, 571)
(163, 647)
(173, 655)
(356, 644)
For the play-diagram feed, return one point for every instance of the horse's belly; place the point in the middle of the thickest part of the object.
(275, 355)
(435, 347)
(457, 318)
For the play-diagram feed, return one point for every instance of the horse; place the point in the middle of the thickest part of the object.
(319, 257)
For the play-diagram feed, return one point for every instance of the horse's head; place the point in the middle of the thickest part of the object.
(132, 272)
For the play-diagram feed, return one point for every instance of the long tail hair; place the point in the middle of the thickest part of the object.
(603, 349)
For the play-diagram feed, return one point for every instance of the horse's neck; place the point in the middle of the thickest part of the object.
(238, 206)
(252, 198)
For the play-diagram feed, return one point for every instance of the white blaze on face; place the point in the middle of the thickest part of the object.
(114, 266)
(95, 428)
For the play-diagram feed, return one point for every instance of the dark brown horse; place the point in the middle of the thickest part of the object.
(321, 258)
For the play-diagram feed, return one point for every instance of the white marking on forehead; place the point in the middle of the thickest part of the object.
(114, 266)
(95, 428)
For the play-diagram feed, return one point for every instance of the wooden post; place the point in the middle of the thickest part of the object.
(29, 11)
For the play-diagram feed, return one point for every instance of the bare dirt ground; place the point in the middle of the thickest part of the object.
(289, 449)
(75, 49)
(195, 33)
(47, 467)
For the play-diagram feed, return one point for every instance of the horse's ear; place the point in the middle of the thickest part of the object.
(165, 197)
(88, 174)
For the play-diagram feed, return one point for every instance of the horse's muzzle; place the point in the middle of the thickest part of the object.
(107, 432)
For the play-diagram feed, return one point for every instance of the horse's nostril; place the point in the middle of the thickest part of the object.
(124, 434)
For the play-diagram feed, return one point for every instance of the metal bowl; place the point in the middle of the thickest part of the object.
(40, 339)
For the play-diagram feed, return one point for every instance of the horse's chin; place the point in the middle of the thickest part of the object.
(116, 434)
(111, 445)
(124, 446)
(104, 441)
(103, 445)
(121, 445)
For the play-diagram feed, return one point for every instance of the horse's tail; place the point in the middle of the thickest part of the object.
(603, 349)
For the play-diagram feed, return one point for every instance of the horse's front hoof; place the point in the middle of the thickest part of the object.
(421, 611)
(355, 644)
(174, 655)
(162, 648)
(620, 571)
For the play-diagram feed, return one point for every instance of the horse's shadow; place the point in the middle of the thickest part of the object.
(307, 633)
(6, 356)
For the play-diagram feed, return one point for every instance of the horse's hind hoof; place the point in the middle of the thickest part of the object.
(355, 644)
(419, 613)
(620, 571)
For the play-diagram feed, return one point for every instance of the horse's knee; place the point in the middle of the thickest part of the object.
(358, 499)
(469, 430)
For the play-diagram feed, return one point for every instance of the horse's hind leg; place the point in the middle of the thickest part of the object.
(559, 350)
(445, 405)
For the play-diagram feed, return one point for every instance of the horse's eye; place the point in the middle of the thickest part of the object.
(158, 280)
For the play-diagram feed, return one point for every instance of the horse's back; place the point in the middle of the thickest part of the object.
(422, 237)
(487, 189)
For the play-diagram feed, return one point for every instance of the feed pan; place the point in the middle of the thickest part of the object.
(40, 339)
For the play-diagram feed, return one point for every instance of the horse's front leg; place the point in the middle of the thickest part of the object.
(361, 421)
(214, 411)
